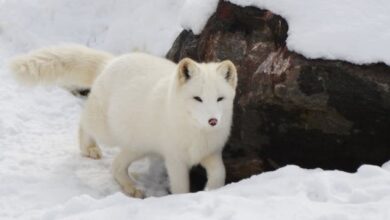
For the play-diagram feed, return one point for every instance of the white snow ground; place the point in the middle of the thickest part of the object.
(42, 175)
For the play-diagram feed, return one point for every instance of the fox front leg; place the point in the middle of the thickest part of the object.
(215, 171)
(178, 173)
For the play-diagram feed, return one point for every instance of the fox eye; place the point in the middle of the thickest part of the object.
(197, 98)
(220, 99)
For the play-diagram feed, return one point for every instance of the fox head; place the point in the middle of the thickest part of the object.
(207, 91)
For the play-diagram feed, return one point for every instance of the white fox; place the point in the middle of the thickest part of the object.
(145, 105)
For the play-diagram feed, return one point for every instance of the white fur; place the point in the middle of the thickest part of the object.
(145, 105)
(52, 65)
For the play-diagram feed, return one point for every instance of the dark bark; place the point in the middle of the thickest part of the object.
(290, 109)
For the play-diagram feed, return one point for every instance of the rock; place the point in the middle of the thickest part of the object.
(290, 109)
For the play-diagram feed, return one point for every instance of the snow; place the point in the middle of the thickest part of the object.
(195, 13)
(146, 26)
(288, 193)
(352, 30)
(43, 175)
(356, 31)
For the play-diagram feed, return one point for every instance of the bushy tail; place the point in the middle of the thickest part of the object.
(70, 66)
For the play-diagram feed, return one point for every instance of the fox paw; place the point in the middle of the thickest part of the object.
(133, 192)
(93, 152)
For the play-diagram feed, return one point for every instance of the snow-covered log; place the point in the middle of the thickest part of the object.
(290, 109)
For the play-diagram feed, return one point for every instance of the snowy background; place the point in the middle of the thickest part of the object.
(43, 176)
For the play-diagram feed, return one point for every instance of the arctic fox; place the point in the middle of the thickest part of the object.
(145, 105)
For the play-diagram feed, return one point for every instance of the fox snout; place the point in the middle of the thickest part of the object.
(213, 122)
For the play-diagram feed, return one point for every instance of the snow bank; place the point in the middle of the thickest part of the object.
(118, 26)
(288, 193)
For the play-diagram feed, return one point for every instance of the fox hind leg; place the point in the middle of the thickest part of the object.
(120, 171)
(88, 146)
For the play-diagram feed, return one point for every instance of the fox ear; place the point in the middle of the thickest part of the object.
(186, 69)
(229, 72)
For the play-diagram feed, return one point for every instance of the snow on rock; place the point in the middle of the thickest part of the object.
(356, 31)
(195, 13)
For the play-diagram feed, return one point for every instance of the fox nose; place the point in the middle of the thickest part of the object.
(213, 122)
